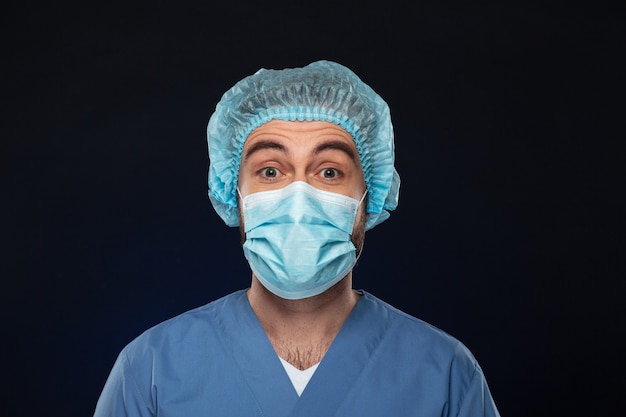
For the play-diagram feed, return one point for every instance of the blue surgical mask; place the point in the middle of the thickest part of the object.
(298, 238)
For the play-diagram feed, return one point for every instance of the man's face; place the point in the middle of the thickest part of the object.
(321, 154)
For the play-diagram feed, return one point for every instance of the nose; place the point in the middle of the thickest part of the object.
(300, 175)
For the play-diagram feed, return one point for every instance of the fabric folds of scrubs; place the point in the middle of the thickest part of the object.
(217, 361)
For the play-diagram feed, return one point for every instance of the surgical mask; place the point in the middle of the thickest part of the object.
(298, 238)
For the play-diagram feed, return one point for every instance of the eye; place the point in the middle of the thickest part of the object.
(269, 172)
(329, 173)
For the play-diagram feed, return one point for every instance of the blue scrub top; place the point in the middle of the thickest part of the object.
(216, 360)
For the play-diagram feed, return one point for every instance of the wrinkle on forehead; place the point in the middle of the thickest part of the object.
(337, 137)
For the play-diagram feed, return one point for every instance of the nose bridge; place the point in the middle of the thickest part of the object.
(300, 174)
(300, 161)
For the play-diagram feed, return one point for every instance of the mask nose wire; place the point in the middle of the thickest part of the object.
(358, 205)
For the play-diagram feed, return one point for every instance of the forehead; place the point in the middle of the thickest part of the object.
(299, 132)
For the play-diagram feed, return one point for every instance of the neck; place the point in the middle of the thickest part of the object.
(301, 331)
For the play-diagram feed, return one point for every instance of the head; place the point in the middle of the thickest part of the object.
(293, 154)
(323, 91)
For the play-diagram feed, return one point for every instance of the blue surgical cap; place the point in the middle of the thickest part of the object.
(321, 91)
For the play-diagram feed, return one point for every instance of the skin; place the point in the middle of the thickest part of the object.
(325, 156)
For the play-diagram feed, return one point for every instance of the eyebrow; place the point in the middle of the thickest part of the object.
(264, 144)
(337, 145)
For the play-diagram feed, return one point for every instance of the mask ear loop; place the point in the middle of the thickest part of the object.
(360, 201)
(242, 221)
(360, 250)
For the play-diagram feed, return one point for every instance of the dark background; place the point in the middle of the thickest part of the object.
(510, 229)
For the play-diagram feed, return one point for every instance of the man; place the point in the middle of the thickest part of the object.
(302, 160)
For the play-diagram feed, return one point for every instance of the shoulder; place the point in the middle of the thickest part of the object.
(418, 336)
(172, 356)
(429, 367)
(188, 330)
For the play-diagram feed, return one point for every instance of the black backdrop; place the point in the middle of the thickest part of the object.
(509, 233)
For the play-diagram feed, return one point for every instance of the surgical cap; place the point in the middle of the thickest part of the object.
(321, 91)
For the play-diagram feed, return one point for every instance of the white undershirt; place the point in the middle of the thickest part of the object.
(298, 378)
